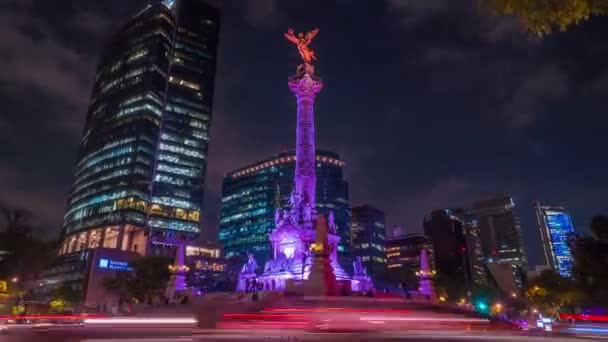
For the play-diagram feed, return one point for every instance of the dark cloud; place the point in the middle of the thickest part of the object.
(430, 103)
(262, 13)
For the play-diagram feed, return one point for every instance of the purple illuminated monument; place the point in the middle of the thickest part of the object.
(304, 243)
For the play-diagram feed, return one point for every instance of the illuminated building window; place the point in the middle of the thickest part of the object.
(179, 170)
(180, 150)
(184, 83)
(137, 55)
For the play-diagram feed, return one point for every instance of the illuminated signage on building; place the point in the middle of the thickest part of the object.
(115, 265)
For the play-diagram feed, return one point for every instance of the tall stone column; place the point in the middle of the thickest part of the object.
(305, 86)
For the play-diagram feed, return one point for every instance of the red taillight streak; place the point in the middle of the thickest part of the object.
(583, 317)
(337, 309)
(257, 316)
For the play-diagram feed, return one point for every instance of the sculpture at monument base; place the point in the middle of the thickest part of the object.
(363, 281)
(177, 282)
(425, 277)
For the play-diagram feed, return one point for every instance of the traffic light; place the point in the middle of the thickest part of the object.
(481, 306)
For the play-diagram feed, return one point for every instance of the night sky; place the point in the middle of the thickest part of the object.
(431, 103)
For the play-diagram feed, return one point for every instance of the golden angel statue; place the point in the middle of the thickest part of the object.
(302, 41)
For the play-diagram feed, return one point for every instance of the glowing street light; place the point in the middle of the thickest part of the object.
(15, 280)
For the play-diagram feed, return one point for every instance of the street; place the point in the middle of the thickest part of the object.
(183, 333)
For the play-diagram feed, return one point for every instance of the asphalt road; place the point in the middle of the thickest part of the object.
(179, 334)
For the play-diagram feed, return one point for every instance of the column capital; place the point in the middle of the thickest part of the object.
(305, 86)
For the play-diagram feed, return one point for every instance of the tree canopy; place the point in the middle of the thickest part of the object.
(543, 17)
(27, 254)
(552, 293)
(148, 279)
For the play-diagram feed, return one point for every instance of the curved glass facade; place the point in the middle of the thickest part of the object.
(142, 158)
(556, 228)
(250, 196)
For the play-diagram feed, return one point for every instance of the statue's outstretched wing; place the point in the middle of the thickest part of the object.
(310, 35)
(292, 38)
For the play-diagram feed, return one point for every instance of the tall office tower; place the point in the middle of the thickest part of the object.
(403, 258)
(555, 226)
(457, 248)
(500, 233)
(477, 264)
(368, 234)
(142, 161)
(251, 194)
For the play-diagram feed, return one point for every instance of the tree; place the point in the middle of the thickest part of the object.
(543, 17)
(27, 255)
(552, 293)
(66, 293)
(599, 227)
(591, 261)
(148, 279)
(16, 220)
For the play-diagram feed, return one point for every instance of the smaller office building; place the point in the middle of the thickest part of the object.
(403, 255)
(83, 272)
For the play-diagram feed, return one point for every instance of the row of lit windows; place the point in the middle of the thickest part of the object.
(131, 203)
(209, 266)
(111, 175)
(246, 192)
(181, 150)
(189, 112)
(283, 160)
(181, 140)
(80, 176)
(176, 159)
(200, 134)
(108, 155)
(137, 55)
(246, 240)
(95, 190)
(193, 104)
(182, 171)
(104, 198)
(109, 85)
(169, 180)
(202, 251)
(93, 222)
(129, 110)
(182, 214)
(173, 202)
(174, 225)
(106, 147)
(242, 215)
(184, 83)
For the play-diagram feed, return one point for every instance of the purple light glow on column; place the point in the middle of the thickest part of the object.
(306, 86)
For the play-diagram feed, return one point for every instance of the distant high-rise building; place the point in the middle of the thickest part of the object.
(455, 239)
(368, 234)
(143, 155)
(403, 258)
(555, 226)
(500, 233)
(251, 194)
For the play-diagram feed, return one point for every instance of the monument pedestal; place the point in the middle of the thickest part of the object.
(321, 280)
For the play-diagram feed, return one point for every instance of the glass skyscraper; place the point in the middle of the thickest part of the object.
(555, 226)
(368, 234)
(458, 253)
(500, 234)
(142, 161)
(251, 194)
